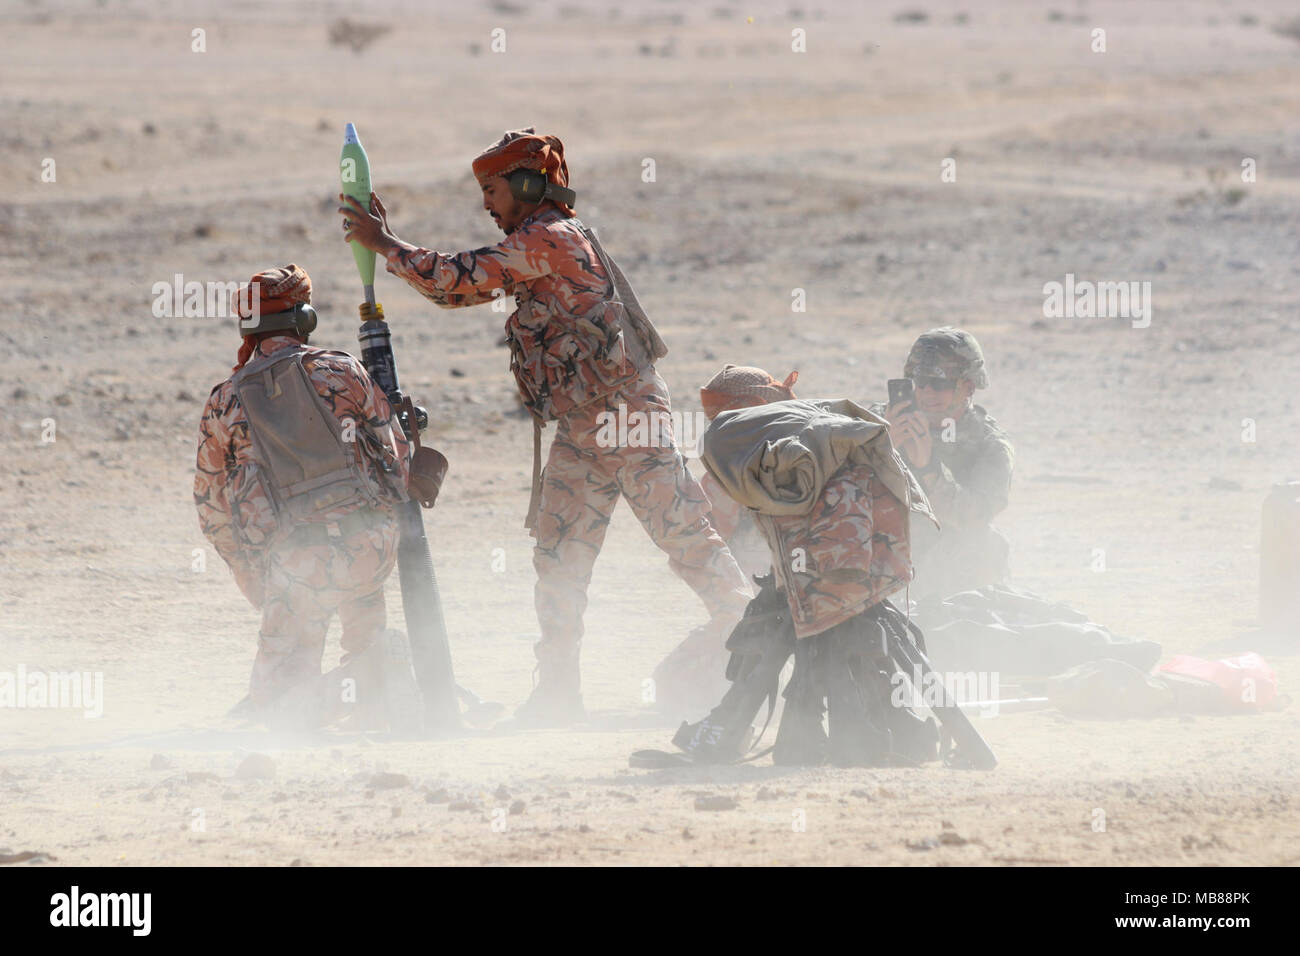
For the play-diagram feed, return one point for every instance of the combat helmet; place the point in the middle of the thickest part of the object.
(947, 352)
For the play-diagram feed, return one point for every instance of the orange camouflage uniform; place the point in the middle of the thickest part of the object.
(569, 363)
(849, 552)
(299, 582)
(735, 524)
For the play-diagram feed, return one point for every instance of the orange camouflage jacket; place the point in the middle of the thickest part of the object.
(564, 337)
(849, 552)
(234, 511)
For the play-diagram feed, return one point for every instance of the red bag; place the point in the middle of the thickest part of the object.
(1247, 682)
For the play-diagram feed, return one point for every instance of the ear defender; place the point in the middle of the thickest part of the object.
(531, 185)
(301, 319)
(304, 318)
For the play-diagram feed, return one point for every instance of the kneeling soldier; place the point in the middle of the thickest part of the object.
(300, 463)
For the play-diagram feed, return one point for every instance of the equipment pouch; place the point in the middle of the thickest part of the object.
(428, 469)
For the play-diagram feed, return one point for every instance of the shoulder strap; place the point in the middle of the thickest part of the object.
(623, 293)
(262, 363)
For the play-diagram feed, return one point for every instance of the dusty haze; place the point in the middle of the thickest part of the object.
(774, 171)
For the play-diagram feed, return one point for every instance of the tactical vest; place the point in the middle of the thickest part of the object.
(307, 468)
(560, 367)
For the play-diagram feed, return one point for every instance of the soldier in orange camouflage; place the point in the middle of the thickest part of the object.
(580, 347)
(832, 499)
(300, 573)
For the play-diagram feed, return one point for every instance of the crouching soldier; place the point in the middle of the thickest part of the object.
(300, 463)
(832, 499)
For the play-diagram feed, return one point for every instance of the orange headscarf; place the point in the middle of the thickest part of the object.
(740, 386)
(524, 149)
(277, 290)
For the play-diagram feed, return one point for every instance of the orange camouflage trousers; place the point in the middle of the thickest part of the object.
(590, 466)
(305, 586)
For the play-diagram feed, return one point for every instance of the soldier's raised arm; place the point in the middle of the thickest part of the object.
(459, 279)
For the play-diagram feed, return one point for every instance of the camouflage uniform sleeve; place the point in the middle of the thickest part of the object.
(353, 396)
(471, 278)
(977, 502)
(725, 516)
(210, 481)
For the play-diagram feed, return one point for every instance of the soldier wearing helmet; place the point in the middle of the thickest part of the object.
(962, 459)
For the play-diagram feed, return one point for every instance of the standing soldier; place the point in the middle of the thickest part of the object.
(581, 347)
(300, 463)
(962, 459)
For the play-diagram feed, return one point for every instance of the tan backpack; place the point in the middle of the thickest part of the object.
(308, 467)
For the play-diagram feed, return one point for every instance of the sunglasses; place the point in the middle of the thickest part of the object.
(935, 384)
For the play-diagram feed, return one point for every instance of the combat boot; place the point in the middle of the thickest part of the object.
(556, 700)
(801, 739)
(693, 677)
(549, 705)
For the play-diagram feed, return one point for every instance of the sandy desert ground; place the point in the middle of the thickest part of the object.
(775, 170)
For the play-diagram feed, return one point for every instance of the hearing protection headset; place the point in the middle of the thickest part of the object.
(301, 319)
(531, 185)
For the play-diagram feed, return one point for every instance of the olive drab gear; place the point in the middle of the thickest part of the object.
(830, 496)
(947, 352)
(968, 483)
(850, 674)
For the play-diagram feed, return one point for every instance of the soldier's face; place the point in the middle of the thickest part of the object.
(506, 211)
(939, 398)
